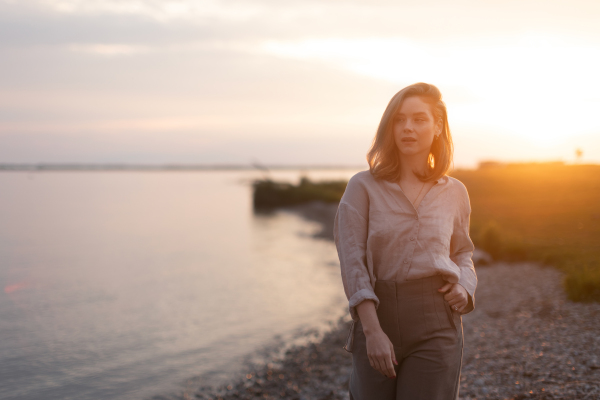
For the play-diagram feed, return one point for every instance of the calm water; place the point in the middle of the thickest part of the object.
(125, 285)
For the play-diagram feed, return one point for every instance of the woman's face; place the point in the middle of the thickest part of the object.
(414, 127)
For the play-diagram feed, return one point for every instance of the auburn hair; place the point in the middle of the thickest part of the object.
(384, 157)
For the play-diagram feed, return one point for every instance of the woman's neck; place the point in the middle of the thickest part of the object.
(411, 164)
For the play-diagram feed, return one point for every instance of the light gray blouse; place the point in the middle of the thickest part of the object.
(380, 235)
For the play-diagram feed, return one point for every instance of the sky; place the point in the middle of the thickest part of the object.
(292, 82)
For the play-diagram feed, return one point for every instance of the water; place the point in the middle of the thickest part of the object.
(126, 285)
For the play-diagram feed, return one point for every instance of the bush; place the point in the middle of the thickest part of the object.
(270, 194)
(490, 240)
(582, 282)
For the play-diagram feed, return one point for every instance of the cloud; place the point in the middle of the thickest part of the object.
(108, 49)
(159, 22)
(251, 71)
(160, 10)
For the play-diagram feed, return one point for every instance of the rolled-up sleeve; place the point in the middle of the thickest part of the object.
(350, 234)
(461, 249)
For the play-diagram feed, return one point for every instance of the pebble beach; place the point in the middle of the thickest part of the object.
(524, 340)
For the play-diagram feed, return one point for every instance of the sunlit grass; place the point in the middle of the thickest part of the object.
(547, 212)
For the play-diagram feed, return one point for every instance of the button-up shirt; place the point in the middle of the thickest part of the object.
(380, 235)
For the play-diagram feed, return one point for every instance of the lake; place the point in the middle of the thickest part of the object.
(133, 285)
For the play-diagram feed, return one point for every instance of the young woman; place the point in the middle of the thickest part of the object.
(402, 235)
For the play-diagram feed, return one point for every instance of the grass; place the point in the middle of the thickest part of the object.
(545, 212)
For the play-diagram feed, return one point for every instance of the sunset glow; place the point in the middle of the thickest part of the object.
(214, 81)
(541, 88)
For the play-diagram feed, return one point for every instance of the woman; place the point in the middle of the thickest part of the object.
(402, 235)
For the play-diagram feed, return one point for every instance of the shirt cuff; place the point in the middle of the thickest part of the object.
(469, 285)
(359, 297)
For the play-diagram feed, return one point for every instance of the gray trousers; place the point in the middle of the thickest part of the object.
(428, 342)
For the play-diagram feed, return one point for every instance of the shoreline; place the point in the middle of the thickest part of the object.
(319, 369)
(524, 340)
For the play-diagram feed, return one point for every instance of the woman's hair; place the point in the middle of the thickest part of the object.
(384, 157)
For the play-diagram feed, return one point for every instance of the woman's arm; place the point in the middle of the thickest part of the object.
(461, 250)
(380, 349)
(350, 234)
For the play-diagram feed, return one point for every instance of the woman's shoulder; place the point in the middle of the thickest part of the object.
(366, 182)
(456, 184)
(362, 177)
(359, 185)
(458, 189)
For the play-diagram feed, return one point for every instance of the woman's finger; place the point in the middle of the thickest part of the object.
(455, 294)
(374, 363)
(385, 366)
(457, 304)
(371, 362)
(456, 300)
(450, 296)
(389, 368)
(381, 366)
(446, 287)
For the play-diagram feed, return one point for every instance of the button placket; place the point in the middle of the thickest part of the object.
(413, 244)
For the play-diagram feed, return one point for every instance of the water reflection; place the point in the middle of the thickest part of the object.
(124, 285)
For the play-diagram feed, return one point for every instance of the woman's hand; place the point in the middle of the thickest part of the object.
(455, 295)
(380, 351)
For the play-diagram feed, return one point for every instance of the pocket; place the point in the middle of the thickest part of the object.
(450, 314)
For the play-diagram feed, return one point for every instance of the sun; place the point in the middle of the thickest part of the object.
(541, 88)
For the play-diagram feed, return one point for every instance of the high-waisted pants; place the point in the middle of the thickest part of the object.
(428, 343)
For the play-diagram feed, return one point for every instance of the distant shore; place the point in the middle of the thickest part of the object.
(525, 340)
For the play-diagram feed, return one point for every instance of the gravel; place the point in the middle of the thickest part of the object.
(524, 340)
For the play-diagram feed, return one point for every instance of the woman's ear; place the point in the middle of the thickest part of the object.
(438, 127)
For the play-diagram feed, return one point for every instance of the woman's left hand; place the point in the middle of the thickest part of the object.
(455, 295)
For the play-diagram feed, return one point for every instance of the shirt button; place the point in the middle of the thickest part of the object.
(405, 261)
(412, 238)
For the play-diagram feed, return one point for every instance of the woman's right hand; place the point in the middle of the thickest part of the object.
(380, 351)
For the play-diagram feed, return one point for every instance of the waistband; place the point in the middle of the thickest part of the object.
(414, 287)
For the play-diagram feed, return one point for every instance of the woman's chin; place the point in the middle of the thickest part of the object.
(411, 150)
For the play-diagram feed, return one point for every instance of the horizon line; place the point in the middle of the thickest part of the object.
(164, 166)
(66, 166)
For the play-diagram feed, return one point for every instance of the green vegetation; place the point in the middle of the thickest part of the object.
(546, 212)
(270, 194)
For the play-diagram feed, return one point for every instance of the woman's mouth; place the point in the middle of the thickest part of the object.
(408, 140)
